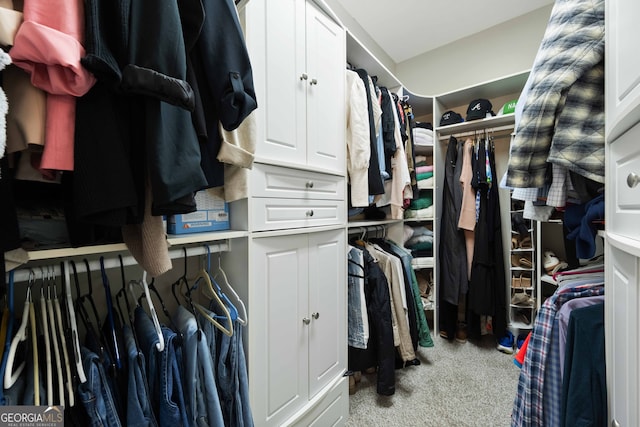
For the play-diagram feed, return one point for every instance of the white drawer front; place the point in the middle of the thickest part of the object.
(274, 181)
(624, 162)
(278, 214)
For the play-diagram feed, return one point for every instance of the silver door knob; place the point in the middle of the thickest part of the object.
(615, 423)
(309, 213)
(306, 320)
(313, 82)
(309, 184)
(315, 315)
(304, 76)
(633, 180)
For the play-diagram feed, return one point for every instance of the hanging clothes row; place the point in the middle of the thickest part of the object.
(130, 108)
(562, 381)
(471, 252)
(386, 318)
(380, 149)
(134, 364)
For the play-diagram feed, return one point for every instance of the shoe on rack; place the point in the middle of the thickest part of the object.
(550, 261)
(522, 299)
(505, 344)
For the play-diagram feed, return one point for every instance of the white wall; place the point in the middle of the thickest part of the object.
(505, 49)
(356, 29)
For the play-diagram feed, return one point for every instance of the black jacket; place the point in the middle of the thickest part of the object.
(380, 351)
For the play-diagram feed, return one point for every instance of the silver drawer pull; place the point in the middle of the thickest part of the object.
(306, 320)
(633, 180)
(309, 184)
(304, 76)
(313, 82)
(315, 315)
(615, 423)
(309, 213)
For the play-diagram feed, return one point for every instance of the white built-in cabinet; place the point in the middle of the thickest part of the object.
(299, 350)
(622, 204)
(297, 343)
(297, 54)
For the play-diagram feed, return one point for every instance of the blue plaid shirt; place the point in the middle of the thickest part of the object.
(528, 407)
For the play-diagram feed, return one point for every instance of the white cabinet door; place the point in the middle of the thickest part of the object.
(325, 92)
(327, 307)
(275, 34)
(298, 59)
(622, 66)
(297, 344)
(278, 334)
(623, 337)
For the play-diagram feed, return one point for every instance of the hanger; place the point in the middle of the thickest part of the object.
(96, 332)
(75, 338)
(182, 280)
(113, 339)
(34, 346)
(242, 315)
(152, 310)
(11, 376)
(7, 344)
(54, 337)
(206, 279)
(65, 352)
(47, 343)
(233, 311)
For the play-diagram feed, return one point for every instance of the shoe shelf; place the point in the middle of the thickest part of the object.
(522, 269)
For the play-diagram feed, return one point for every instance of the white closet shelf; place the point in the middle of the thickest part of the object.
(496, 123)
(372, 224)
(422, 262)
(47, 254)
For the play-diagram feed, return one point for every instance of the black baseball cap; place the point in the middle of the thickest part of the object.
(479, 108)
(450, 118)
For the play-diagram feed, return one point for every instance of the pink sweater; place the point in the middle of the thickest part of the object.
(48, 45)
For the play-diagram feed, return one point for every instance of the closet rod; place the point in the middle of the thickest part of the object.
(22, 274)
(479, 132)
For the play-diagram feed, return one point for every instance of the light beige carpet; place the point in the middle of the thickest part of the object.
(470, 384)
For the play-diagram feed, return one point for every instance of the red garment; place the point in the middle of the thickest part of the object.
(48, 45)
(519, 359)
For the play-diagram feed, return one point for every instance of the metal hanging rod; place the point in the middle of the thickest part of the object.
(112, 261)
(480, 131)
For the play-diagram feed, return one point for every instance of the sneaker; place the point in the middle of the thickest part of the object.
(520, 341)
(461, 333)
(505, 344)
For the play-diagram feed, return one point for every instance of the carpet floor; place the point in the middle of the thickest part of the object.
(470, 384)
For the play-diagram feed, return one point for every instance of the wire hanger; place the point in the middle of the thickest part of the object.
(242, 315)
(233, 311)
(204, 277)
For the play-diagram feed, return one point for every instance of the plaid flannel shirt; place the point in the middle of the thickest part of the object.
(572, 46)
(528, 407)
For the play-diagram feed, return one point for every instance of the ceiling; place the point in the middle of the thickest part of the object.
(407, 28)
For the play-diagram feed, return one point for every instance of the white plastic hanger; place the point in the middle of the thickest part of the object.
(242, 314)
(152, 310)
(75, 340)
(11, 376)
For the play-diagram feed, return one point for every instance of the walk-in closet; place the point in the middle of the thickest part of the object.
(319, 213)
